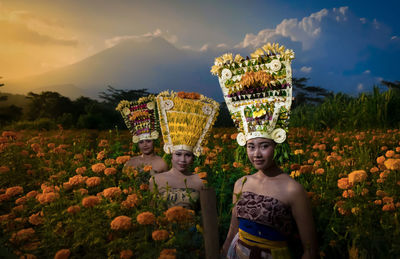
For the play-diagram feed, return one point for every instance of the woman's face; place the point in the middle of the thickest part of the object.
(146, 146)
(181, 160)
(261, 152)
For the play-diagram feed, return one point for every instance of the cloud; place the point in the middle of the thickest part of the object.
(305, 31)
(305, 69)
(367, 71)
(394, 37)
(360, 87)
(363, 20)
(204, 47)
(144, 37)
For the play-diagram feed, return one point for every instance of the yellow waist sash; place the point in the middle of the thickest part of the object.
(279, 249)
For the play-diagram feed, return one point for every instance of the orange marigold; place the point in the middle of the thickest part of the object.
(392, 164)
(389, 153)
(49, 197)
(81, 170)
(101, 155)
(343, 183)
(22, 235)
(388, 207)
(380, 160)
(126, 254)
(381, 193)
(109, 161)
(62, 254)
(348, 194)
(4, 169)
(36, 219)
(13, 191)
(131, 201)
(74, 209)
(146, 218)
(121, 223)
(112, 192)
(90, 201)
(306, 169)
(160, 235)
(178, 214)
(110, 171)
(357, 176)
(374, 170)
(98, 168)
(167, 254)
(202, 175)
(320, 171)
(144, 186)
(147, 168)
(378, 202)
(77, 180)
(93, 181)
(122, 159)
(387, 199)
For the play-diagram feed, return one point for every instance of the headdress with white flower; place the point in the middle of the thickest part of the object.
(258, 91)
(186, 120)
(140, 117)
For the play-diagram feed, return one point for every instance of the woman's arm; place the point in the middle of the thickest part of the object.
(234, 226)
(302, 213)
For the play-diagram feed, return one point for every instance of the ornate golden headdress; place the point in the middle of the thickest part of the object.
(258, 91)
(186, 120)
(140, 117)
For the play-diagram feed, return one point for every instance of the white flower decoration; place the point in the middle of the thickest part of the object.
(154, 134)
(135, 139)
(275, 65)
(150, 105)
(197, 151)
(207, 109)
(226, 74)
(278, 135)
(168, 104)
(241, 139)
(126, 111)
(168, 148)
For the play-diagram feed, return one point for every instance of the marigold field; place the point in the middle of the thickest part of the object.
(64, 194)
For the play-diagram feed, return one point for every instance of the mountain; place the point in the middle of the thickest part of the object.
(153, 64)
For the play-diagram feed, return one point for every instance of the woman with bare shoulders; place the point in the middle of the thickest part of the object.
(186, 119)
(269, 206)
(142, 121)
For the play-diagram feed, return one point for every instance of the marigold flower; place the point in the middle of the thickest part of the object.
(167, 254)
(392, 164)
(299, 152)
(98, 168)
(4, 169)
(81, 170)
(101, 155)
(103, 143)
(112, 192)
(374, 170)
(110, 171)
(21, 201)
(131, 201)
(109, 161)
(355, 210)
(381, 193)
(31, 194)
(144, 186)
(160, 235)
(378, 202)
(126, 254)
(77, 180)
(121, 223)
(62, 254)
(122, 159)
(90, 201)
(348, 194)
(357, 176)
(13, 191)
(47, 197)
(364, 191)
(384, 174)
(36, 219)
(380, 160)
(178, 214)
(319, 171)
(22, 235)
(343, 183)
(387, 199)
(234, 136)
(147, 168)
(202, 175)
(306, 169)
(388, 207)
(294, 167)
(74, 209)
(146, 218)
(28, 256)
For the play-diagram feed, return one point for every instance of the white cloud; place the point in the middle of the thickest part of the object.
(306, 30)
(204, 47)
(222, 45)
(376, 24)
(367, 71)
(394, 37)
(363, 20)
(305, 69)
(144, 37)
(360, 87)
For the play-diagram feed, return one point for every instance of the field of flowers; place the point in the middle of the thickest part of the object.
(63, 194)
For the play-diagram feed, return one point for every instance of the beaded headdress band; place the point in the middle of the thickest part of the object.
(258, 91)
(186, 120)
(140, 117)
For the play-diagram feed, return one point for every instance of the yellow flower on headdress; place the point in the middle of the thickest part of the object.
(259, 113)
(257, 53)
(218, 61)
(238, 58)
(227, 57)
(214, 69)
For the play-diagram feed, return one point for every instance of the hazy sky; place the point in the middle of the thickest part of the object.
(346, 42)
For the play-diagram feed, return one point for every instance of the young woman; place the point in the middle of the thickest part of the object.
(267, 204)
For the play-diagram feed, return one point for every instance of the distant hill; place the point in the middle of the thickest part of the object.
(14, 99)
(154, 64)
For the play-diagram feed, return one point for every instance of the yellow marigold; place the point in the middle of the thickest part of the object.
(147, 168)
(146, 218)
(98, 168)
(36, 219)
(122, 159)
(90, 201)
(388, 207)
(343, 183)
(112, 192)
(93, 181)
(131, 201)
(355, 210)
(121, 223)
(178, 214)
(392, 164)
(374, 170)
(380, 160)
(126, 254)
(62, 254)
(22, 235)
(167, 254)
(110, 171)
(357, 176)
(74, 209)
(13, 191)
(295, 173)
(4, 169)
(299, 151)
(160, 235)
(80, 170)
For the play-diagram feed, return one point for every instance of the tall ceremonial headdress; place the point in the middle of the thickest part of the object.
(140, 117)
(186, 120)
(258, 91)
